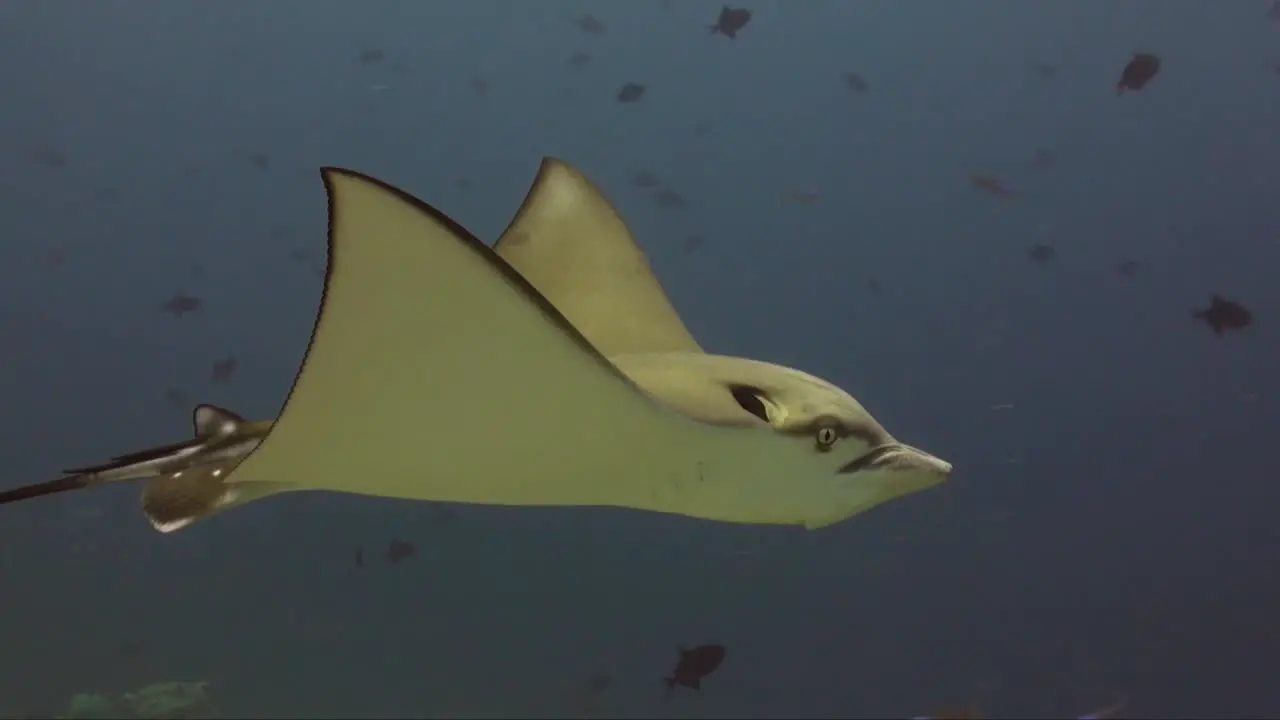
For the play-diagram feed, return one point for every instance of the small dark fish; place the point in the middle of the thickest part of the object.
(645, 180)
(668, 198)
(991, 185)
(1042, 253)
(731, 20)
(181, 304)
(854, 82)
(371, 56)
(1223, 314)
(223, 369)
(1043, 69)
(590, 25)
(580, 59)
(873, 285)
(398, 550)
(1138, 72)
(693, 666)
(1128, 268)
(479, 86)
(1043, 159)
(358, 557)
(631, 92)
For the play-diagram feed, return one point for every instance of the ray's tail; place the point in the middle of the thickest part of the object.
(61, 485)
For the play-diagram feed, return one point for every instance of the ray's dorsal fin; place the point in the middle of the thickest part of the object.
(212, 420)
(571, 244)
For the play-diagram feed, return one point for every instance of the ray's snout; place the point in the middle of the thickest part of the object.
(929, 463)
(898, 458)
(924, 465)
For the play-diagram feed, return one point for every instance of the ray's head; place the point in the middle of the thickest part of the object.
(836, 460)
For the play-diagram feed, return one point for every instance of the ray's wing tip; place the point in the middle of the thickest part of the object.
(550, 167)
(329, 173)
(551, 162)
(564, 172)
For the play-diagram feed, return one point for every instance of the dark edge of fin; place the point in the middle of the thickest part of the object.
(131, 458)
(85, 477)
(333, 253)
(474, 244)
(61, 485)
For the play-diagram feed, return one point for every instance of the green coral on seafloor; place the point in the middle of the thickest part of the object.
(159, 701)
(85, 706)
(167, 701)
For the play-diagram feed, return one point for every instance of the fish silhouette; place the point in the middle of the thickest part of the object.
(1223, 314)
(693, 666)
(1138, 72)
(731, 20)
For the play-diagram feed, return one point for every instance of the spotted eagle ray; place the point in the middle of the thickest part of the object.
(549, 370)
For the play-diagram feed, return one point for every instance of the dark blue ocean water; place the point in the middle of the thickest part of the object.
(1109, 530)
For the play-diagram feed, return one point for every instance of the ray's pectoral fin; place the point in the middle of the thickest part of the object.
(172, 502)
(571, 244)
(408, 289)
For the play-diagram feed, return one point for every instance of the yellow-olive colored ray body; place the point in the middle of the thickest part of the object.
(442, 370)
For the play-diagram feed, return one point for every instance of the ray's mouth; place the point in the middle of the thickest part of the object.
(879, 457)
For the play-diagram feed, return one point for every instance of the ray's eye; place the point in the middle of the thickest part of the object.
(826, 438)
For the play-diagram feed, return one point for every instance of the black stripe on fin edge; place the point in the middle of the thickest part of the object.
(132, 458)
(61, 485)
(472, 243)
